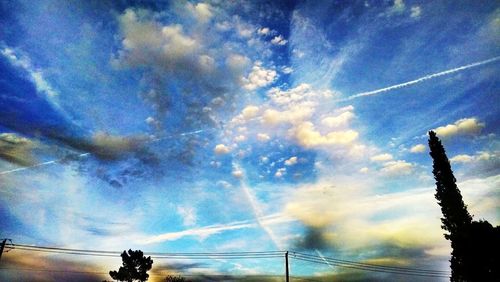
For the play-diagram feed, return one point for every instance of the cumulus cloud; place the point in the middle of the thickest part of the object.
(419, 148)
(280, 172)
(258, 77)
(221, 149)
(264, 31)
(466, 126)
(201, 11)
(237, 173)
(381, 158)
(287, 70)
(302, 93)
(415, 11)
(395, 168)
(482, 156)
(263, 137)
(279, 40)
(398, 7)
(336, 121)
(462, 159)
(237, 63)
(250, 112)
(169, 54)
(307, 136)
(292, 115)
(291, 161)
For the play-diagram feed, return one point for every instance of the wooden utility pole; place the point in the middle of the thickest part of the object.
(2, 246)
(286, 267)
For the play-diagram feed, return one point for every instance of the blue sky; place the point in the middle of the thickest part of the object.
(184, 126)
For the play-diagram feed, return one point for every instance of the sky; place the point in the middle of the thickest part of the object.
(230, 126)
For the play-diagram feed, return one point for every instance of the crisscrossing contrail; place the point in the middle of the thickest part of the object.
(87, 154)
(418, 80)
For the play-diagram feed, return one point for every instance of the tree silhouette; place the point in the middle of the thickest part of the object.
(135, 267)
(475, 244)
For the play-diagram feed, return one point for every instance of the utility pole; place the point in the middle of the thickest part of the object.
(2, 246)
(286, 267)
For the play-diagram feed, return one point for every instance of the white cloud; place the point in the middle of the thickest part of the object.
(240, 138)
(176, 43)
(259, 77)
(415, 11)
(238, 173)
(398, 7)
(36, 75)
(303, 93)
(221, 149)
(466, 126)
(250, 112)
(263, 137)
(381, 158)
(337, 121)
(201, 11)
(307, 136)
(206, 63)
(279, 40)
(264, 31)
(419, 148)
(364, 170)
(291, 161)
(462, 159)
(148, 43)
(237, 63)
(243, 29)
(479, 156)
(293, 115)
(287, 70)
(280, 172)
(188, 215)
(395, 168)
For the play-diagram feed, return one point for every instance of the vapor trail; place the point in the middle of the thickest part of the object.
(418, 80)
(258, 214)
(39, 164)
(323, 258)
(86, 154)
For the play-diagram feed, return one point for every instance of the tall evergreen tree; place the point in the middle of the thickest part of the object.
(475, 244)
(455, 214)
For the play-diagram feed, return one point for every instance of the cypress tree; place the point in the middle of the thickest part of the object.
(455, 218)
(476, 244)
(455, 214)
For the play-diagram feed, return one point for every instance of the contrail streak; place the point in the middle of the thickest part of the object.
(39, 164)
(323, 258)
(258, 214)
(418, 80)
(86, 154)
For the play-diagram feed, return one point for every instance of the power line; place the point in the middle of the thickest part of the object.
(408, 273)
(100, 253)
(246, 255)
(355, 263)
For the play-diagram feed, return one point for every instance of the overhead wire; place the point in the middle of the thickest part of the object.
(157, 255)
(364, 267)
(245, 255)
(350, 262)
